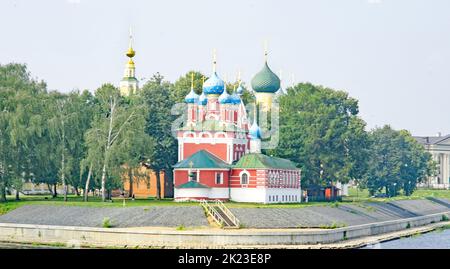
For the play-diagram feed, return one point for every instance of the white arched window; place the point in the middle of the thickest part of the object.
(244, 178)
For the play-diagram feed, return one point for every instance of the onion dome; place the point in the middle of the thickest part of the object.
(266, 80)
(202, 100)
(213, 85)
(235, 99)
(224, 98)
(191, 98)
(240, 90)
(255, 131)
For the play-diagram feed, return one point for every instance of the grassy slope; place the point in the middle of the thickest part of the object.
(354, 197)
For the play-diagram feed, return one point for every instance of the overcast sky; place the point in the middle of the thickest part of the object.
(392, 55)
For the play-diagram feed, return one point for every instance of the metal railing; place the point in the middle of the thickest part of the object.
(228, 213)
(212, 212)
(217, 217)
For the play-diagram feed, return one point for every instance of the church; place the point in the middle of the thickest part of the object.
(219, 148)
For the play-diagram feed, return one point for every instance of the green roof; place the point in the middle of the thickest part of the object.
(202, 159)
(129, 79)
(191, 184)
(258, 160)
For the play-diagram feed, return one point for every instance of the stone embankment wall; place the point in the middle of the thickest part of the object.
(209, 238)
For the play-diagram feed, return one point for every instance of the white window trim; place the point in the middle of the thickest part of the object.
(248, 177)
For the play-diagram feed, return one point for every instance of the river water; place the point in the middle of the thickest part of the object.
(433, 240)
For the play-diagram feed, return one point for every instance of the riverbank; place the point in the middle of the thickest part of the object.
(163, 237)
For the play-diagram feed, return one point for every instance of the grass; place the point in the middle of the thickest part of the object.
(74, 200)
(107, 223)
(356, 197)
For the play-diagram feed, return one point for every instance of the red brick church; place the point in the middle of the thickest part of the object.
(219, 151)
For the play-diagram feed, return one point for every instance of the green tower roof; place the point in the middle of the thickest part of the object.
(266, 80)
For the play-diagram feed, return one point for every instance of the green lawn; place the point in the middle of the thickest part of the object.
(78, 201)
(363, 195)
(355, 196)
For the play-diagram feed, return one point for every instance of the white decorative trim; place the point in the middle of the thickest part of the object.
(248, 177)
(200, 135)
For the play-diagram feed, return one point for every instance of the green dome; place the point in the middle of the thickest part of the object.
(266, 81)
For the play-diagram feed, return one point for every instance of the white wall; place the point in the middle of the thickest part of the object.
(261, 195)
(211, 193)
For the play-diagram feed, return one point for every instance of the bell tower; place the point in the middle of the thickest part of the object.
(129, 84)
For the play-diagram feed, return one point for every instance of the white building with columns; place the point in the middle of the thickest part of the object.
(439, 147)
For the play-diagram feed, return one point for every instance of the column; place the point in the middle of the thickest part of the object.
(446, 164)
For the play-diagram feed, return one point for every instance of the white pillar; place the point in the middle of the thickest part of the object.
(446, 175)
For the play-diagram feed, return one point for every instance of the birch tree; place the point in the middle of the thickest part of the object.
(115, 124)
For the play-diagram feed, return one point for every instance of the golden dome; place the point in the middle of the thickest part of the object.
(130, 53)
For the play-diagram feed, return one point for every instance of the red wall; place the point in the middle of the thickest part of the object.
(181, 177)
(219, 150)
(207, 177)
(235, 180)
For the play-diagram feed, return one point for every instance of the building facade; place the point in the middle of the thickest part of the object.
(439, 147)
(219, 152)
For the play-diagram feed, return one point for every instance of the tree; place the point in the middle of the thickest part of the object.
(158, 101)
(396, 161)
(320, 130)
(114, 124)
(22, 126)
(69, 119)
(182, 86)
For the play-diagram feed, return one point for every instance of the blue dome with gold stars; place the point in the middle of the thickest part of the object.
(191, 98)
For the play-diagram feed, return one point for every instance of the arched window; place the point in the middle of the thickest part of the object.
(244, 178)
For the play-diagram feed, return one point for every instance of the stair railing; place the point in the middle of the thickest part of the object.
(227, 212)
(212, 212)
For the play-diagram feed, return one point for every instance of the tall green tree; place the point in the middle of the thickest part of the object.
(396, 161)
(321, 131)
(157, 99)
(70, 119)
(114, 124)
(21, 126)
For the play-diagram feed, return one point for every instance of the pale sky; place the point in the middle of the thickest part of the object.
(392, 55)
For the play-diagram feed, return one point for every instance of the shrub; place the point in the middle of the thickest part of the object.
(106, 223)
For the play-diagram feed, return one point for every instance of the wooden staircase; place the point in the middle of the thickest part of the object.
(221, 214)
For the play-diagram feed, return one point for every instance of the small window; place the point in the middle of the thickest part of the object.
(244, 179)
(269, 198)
(148, 185)
(219, 178)
(193, 176)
